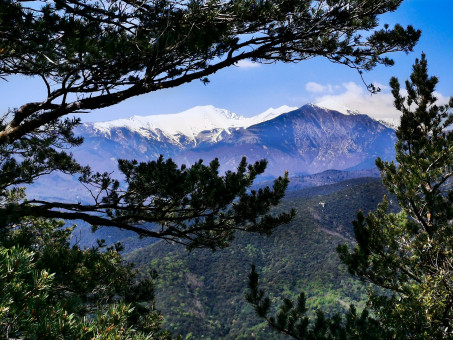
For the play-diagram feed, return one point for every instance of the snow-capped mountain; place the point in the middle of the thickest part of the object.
(392, 123)
(303, 141)
(186, 127)
(306, 140)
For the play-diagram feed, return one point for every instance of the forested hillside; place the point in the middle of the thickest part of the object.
(202, 292)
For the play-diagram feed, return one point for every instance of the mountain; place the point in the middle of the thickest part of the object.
(203, 292)
(198, 124)
(304, 141)
(145, 138)
(325, 178)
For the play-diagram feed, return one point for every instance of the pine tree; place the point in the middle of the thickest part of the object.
(406, 256)
(410, 254)
(52, 290)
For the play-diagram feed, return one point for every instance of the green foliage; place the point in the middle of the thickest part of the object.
(52, 290)
(410, 253)
(292, 320)
(202, 292)
(195, 206)
(24, 296)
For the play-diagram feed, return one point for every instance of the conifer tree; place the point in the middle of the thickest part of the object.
(410, 254)
(52, 290)
(406, 256)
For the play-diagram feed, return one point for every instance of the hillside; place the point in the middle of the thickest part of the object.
(203, 292)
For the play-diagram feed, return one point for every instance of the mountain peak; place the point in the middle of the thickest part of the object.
(209, 111)
(336, 107)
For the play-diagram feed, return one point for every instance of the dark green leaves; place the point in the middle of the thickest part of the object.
(49, 289)
(195, 205)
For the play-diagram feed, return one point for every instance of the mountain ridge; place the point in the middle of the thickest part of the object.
(305, 141)
(188, 124)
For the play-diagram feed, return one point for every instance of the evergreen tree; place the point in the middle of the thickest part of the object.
(50, 290)
(407, 256)
(410, 254)
(94, 54)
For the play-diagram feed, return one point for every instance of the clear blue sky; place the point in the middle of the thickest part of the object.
(250, 90)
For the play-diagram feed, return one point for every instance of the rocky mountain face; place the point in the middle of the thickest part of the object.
(303, 141)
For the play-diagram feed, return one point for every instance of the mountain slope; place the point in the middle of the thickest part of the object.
(305, 141)
(184, 127)
(202, 292)
(145, 138)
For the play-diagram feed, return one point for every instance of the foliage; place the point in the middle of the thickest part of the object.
(407, 255)
(202, 292)
(94, 54)
(194, 206)
(410, 253)
(52, 290)
(292, 320)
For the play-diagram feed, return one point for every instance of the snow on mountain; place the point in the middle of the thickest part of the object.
(189, 123)
(336, 107)
(391, 123)
(303, 141)
(270, 114)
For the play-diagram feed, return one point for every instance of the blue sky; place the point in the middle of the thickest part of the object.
(252, 88)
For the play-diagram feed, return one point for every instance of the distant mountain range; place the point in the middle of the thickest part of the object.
(304, 141)
(188, 128)
(307, 140)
